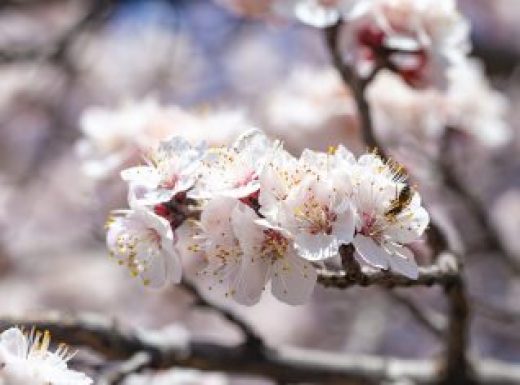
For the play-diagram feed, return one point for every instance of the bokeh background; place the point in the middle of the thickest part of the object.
(194, 68)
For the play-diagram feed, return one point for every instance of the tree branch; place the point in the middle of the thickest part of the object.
(444, 272)
(287, 365)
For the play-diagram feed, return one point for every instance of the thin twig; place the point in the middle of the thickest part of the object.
(472, 202)
(252, 339)
(434, 322)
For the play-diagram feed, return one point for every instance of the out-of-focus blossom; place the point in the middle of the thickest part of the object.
(136, 56)
(311, 109)
(419, 39)
(317, 13)
(114, 138)
(474, 107)
(405, 110)
(469, 105)
(144, 243)
(389, 215)
(25, 359)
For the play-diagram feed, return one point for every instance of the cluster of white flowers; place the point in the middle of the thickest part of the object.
(25, 359)
(255, 214)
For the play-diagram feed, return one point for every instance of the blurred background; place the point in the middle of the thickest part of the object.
(81, 80)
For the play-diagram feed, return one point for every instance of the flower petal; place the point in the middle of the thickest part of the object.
(293, 279)
(371, 252)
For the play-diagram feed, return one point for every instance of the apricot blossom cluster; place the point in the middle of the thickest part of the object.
(253, 214)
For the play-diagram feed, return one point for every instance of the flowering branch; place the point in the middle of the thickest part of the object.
(456, 368)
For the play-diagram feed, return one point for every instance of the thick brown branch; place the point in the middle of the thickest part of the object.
(282, 365)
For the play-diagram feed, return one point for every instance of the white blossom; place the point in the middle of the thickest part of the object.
(172, 169)
(216, 243)
(25, 359)
(233, 171)
(270, 256)
(319, 217)
(420, 38)
(385, 220)
(474, 107)
(144, 243)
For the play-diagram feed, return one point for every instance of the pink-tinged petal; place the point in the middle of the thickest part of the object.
(370, 251)
(316, 247)
(402, 261)
(293, 279)
(216, 217)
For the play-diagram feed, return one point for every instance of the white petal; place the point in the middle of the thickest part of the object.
(316, 247)
(402, 261)
(143, 175)
(343, 228)
(251, 280)
(293, 280)
(14, 342)
(371, 252)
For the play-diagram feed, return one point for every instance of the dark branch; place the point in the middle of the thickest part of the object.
(444, 272)
(288, 365)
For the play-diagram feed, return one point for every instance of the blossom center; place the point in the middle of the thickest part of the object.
(274, 245)
(317, 218)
